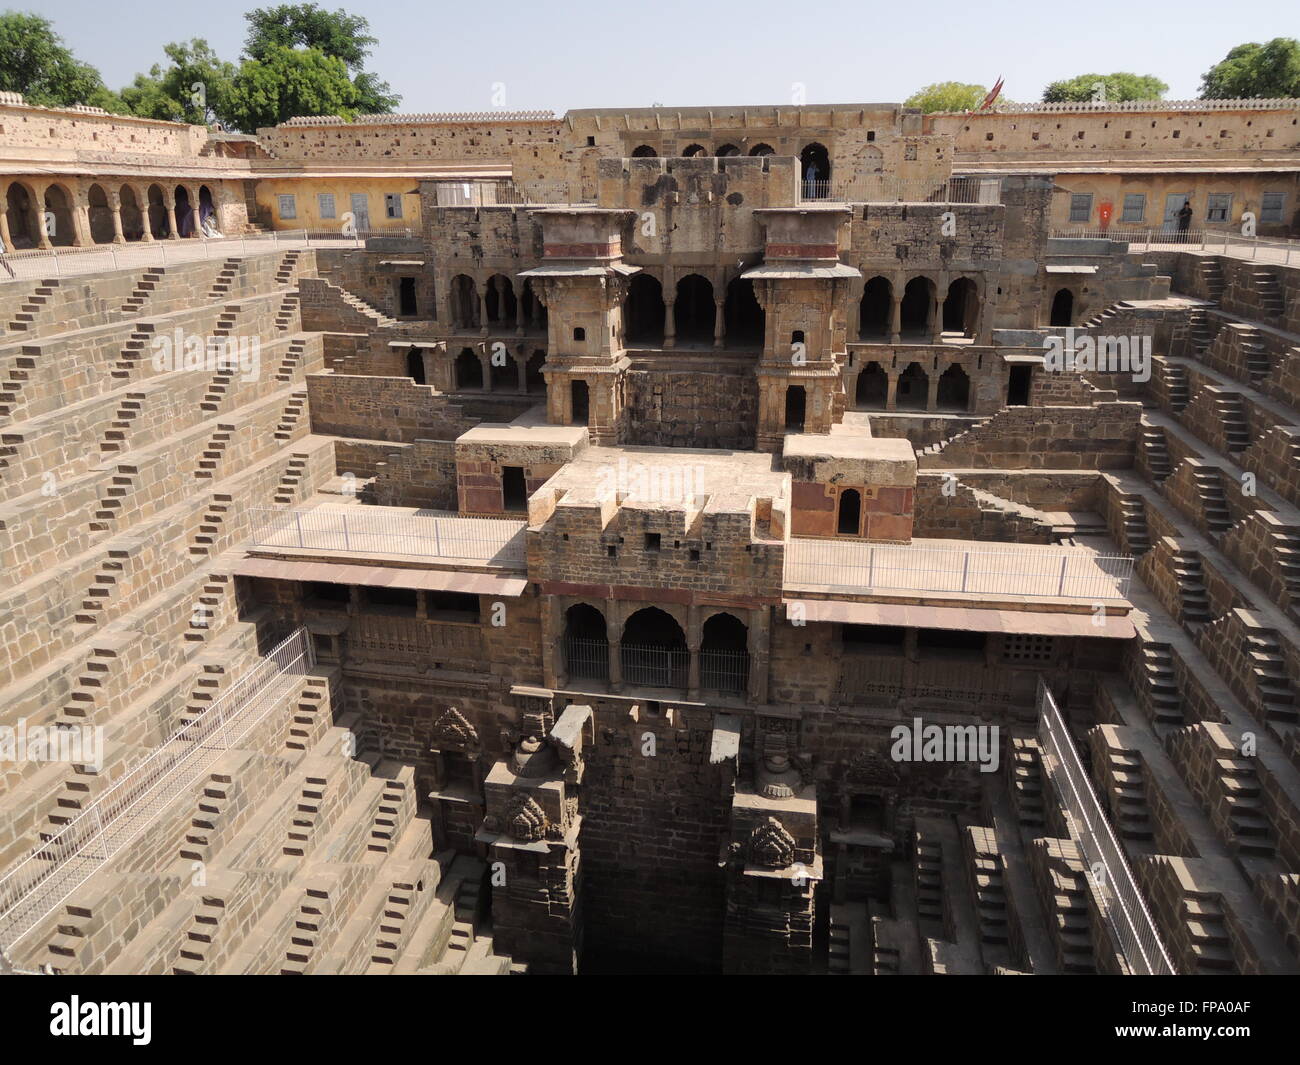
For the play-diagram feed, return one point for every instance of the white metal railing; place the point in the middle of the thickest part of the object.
(1064, 572)
(1223, 241)
(35, 886)
(972, 189)
(391, 531)
(1122, 905)
(498, 192)
(41, 263)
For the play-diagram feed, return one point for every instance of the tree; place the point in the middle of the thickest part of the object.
(335, 33)
(35, 62)
(195, 87)
(287, 82)
(1105, 88)
(1269, 70)
(947, 96)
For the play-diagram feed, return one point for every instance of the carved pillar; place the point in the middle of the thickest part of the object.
(891, 394)
(80, 210)
(38, 209)
(115, 205)
(694, 638)
(757, 646)
(6, 242)
(896, 317)
(613, 633)
(142, 200)
(670, 326)
(519, 316)
(932, 392)
(482, 311)
(719, 322)
(169, 201)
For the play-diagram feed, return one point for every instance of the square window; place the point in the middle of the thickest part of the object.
(652, 541)
(288, 208)
(1218, 207)
(1272, 207)
(325, 203)
(393, 205)
(1135, 207)
(1081, 207)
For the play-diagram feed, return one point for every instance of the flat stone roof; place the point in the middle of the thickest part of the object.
(670, 477)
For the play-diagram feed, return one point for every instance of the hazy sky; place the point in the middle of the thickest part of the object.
(580, 53)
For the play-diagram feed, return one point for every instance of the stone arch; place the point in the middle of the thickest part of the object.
(762, 149)
(20, 202)
(724, 653)
(693, 151)
(643, 311)
(913, 388)
(415, 365)
(815, 170)
(468, 371)
(694, 310)
(586, 642)
(499, 299)
(209, 221)
(726, 151)
(156, 208)
(58, 213)
(644, 151)
(534, 381)
(185, 221)
(653, 649)
(503, 372)
(133, 218)
(99, 214)
(464, 302)
(796, 408)
(918, 307)
(876, 309)
(534, 308)
(871, 160)
(961, 307)
(872, 388)
(953, 393)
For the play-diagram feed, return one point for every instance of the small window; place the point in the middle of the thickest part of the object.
(288, 208)
(797, 337)
(325, 204)
(579, 334)
(324, 594)
(591, 142)
(1219, 207)
(1272, 207)
(514, 488)
(393, 204)
(1081, 207)
(652, 541)
(1027, 648)
(1135, 207)
(451, 606)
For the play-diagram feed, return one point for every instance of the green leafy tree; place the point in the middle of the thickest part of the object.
(947, 96)
(1255, 70)
(1107, 88)
(335, 33)
(287, 82)
(35, 62)
(195, 86)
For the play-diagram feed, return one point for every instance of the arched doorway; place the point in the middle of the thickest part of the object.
(644, 151)
(159, 224)
(913, 388)
(22, 217)
(796, 401)
(694, 150)
(468, 371)
(586, 643)
(876, 310)
(58, 217)
(653, 650)
(503, 372)
(726, 151)
(961, 308)
(762, 149)
(815, 168)
(643, 312)
(464, 302)
(415, 365)
(132, 217)
(918, 301)
(694, 311)
(1063, 307)
(953, 392)
(184, 215)
(872, 389)
(743, 315)
(724, 655)
(208, 212)
(849, 520)
(100, 214)
(499, 297)
(579, 403)
(534, 309)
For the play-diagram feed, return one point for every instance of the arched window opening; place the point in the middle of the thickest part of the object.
(464, 302)
(500, 299)
(643, 312)
(727, 150)
(694, 150)
(762, 149)
(22, 221)
(918, 301)
(743, 316)
(815, 166)
(1063, 307)
(58, 204)
(533, 378)
(694, 311)
(961, 308)
(101, 215)
(876, 310)
(795, 402)
(586, 643)
(872, 389)
(644, 151)
(953, 393)
(469, 371)
(653, 650)
(133, 220)
(850, 514)
(724, 655)
(579, 403)
(415, 365)
(913, 388)
(503, 372)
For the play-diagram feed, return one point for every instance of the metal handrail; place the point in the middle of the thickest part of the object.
(36, 885)
(1224, 241)
(1064, 573)
(1122, 905)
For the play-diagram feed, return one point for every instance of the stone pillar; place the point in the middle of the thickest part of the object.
(521, 363)
(936, 320)
(694, 639)
(896, 317)
(719, 322)
(482, 310)
(757, 646)
(169, 201)
(115, 205)
(485, 361)
(38, 207)
(670, 327)
(519, 316)
(6, 242)
(613, 633)
(194, 212)
(932, 390)
(80, 210)
(891, 393)
(142, 200)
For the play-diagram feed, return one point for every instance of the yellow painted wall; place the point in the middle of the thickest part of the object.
(306, 192)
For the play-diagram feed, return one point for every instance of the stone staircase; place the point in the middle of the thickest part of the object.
(144, 288)
(1268, 291)
(293, 412)
(110, 503)
(114, 438)
(1200, 331)
(1212, 279)
(225, 278)
(215, 451)
(1133, 522)
(1273, 686)
(1176, 386)
(1192, 593)
(927, 871)
(18, 375)
(210, 528)
(286, 492)
(133, 350)
(1252, 832)
(292, 357)
(1162, 695)
(1232, 419)
(1027, 782)
(1214, 505)
(1255, 352)
(284, 316)
(1152, 442)
(31, 307)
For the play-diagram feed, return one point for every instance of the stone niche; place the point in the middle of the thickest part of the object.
(851, 486)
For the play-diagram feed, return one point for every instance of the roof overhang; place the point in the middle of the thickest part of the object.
(434, 580)
(1020, 622)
